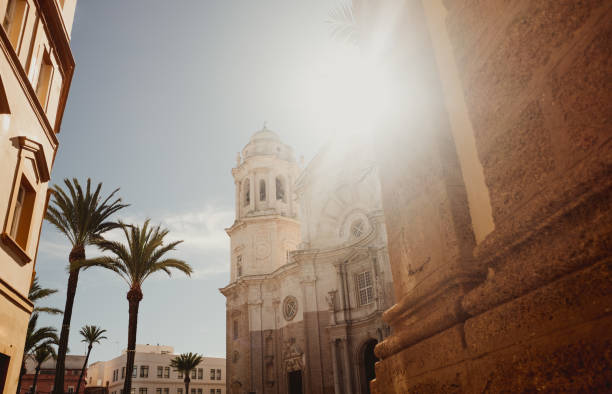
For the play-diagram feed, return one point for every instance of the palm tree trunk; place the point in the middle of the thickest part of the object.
(21, 373)
(134, 296)
(77, 253)
(187, 380)
(83, 369)
(35, 378)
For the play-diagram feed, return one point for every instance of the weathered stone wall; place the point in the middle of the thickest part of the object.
(528, 308)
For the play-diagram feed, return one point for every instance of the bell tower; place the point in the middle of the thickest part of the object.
(266, 225)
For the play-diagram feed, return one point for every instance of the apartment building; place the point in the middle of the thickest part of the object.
(46, 376)
(152, 373)
(36, 68)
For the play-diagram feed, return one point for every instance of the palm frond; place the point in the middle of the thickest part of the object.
(92, 334)
(185, 362)
(82, 215)
(342, 21)
(140, 256)
(37, 293)
(38, 336)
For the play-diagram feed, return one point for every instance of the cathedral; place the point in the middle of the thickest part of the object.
(310, 275)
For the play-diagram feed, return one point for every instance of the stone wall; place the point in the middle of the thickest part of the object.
(528, 308)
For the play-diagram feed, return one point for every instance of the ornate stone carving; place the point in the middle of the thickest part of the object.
(290, 307)
(293, 356)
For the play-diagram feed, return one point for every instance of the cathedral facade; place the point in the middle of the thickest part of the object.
(309, 276)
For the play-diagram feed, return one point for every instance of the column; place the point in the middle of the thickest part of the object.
(348, 383)
(334, 357)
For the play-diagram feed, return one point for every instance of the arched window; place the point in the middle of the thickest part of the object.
(262, 190)
(246, 186)
(280, 189)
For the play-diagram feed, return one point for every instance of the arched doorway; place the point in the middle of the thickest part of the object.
(368, 359)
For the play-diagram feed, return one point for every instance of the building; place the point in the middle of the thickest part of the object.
(36, 68)
(306, 291)
(152, 373)
(46, 376)
(495, 175)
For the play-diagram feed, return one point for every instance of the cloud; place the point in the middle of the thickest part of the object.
(205, 244)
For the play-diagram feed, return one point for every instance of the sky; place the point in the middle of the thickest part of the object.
(163, 97)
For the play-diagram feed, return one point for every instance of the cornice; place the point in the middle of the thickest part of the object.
(39, 154)
(244, 221)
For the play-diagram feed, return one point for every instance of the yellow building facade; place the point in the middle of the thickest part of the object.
(36, 67)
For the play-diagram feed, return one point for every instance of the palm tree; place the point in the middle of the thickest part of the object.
(37, 293)
(134, 262)
(35, 338)
(42, 354)
(91, 335)
(185, 363)
(82, 218)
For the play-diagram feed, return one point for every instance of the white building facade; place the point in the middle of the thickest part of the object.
(152, 373)
(309, 276)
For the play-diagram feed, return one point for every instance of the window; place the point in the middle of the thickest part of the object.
(167, 372)
(357, 229)
(212, 374)
(160, 372)
(180, 374)
(134, 371)
(239, 265)
(133, 391)
(22, 213)
(158, 391)
(193, 374)
(212, 391)
(166, 390)
(14, 18)
(262, 190)
(365, 289)
(71, 389)
(43, 84)
(179, 391)
(122, 372)
(235, 329)
(246, 185)
(280, 189)
(144, 371)
(200, 373)
(218, 391)
(193, 391)
(199, 391)
(218, 374)
(142, 390)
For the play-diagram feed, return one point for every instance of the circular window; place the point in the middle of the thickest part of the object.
(290, 307)
(357, 228)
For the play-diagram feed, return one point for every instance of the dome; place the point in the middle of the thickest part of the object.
(265, 134)
(265, 142)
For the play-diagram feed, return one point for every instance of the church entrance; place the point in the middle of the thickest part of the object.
(368, 360)
(295, 382)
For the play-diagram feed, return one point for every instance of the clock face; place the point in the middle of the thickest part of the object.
(290, 307)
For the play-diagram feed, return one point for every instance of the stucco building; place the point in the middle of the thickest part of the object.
(46, 376)
(309, 276)
(152, 373)
(36, 68)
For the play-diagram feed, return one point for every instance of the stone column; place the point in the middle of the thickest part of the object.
(334, 356)
(252, 189)
(314, 369)
(346, 358)
(257, 348)
(429, 229)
